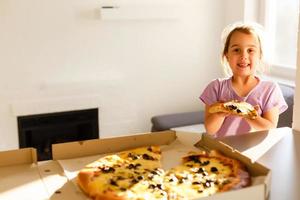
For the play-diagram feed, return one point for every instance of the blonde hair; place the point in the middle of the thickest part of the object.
(250, 28)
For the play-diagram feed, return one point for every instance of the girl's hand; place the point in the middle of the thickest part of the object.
(220, 115)
(221, 112)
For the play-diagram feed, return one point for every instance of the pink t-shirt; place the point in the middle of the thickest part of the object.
(266, 94)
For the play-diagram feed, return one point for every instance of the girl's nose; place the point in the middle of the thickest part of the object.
(244, 55)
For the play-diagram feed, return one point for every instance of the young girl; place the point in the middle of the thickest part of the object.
(242, 55)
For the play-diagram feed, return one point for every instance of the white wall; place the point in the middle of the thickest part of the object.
(59, 55)
(296, 111)
(242, 10)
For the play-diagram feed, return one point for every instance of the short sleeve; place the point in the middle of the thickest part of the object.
(210, 93)
(276, 99)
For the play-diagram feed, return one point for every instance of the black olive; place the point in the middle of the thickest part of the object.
(107, 169)
(205, 163)
(200, 170)
(159, 186)
(147, 157)
(134, 181)
(130, 166)
(151, 186)
(194, 158)
(214, 169)
(112, 182)
(196, 183)
(232, 107)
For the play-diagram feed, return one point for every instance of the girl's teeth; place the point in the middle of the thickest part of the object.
(243, 65)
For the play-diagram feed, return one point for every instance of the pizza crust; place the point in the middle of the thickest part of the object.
(239, 172)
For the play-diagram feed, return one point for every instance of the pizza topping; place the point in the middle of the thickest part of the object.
(133, 157)
(209, 184)
(106, 169)
(201, 170)
(214, 169)
(194, 158)
(120, 178)
(235, 108)
(137, 175)
(147, 157)
(134, 181)
(204, 163)
(112, 182)
(149, 149)
(232, 107)
(152, 186)
(196, 183)
(133, 166)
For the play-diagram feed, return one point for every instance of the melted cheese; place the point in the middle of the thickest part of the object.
(196, 179)
(137, 175)
(244, 107)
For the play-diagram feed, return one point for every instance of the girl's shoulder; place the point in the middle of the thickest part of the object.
(220, 84)
(268, 84)
(220, 81)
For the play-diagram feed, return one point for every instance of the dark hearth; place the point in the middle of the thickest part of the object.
(40, 131)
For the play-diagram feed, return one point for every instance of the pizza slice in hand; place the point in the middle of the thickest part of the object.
(240, 108)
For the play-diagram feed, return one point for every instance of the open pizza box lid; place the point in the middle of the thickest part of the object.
(68, 155)
(20, 175)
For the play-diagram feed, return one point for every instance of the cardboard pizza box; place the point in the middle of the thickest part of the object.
(22, 176)
(19, 175)
(68, 156)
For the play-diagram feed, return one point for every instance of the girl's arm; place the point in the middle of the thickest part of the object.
(267, 121)
(213, 121)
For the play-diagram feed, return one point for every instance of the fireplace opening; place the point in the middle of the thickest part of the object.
(42, 130)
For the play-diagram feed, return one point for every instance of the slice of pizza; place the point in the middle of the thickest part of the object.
(203, 174)
(132, 174)
(235, 107)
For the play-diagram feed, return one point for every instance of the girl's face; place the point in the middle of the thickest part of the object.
(243, 54)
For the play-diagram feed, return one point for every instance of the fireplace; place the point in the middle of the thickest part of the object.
(42, 130)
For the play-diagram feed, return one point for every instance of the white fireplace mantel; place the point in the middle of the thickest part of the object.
(50, 105)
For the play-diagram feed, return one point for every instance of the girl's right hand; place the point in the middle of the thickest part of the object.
(222, 114)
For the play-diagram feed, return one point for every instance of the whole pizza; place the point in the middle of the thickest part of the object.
(137, 174)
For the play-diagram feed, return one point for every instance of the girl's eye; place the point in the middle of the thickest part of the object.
(236, 50)
(251, 50)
